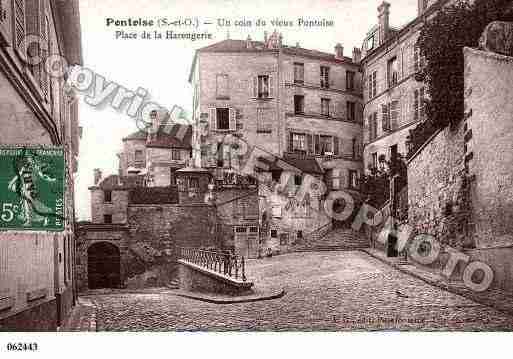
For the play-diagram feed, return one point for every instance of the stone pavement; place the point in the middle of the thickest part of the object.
(495, 298)
(82, 318)
(325, 291)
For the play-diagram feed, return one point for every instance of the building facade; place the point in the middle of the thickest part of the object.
(36, 267)
(304, 106)
(394, 92)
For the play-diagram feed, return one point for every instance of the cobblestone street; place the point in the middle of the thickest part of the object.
(325, 291)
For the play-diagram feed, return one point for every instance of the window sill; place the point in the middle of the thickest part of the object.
(222, 97)
(264, 131)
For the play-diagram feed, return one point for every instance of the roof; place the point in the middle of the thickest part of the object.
(230, 45)
(153, 195)
(172, 136)
(139, 135)
(302, 164)
(115, 182)
(305, 164)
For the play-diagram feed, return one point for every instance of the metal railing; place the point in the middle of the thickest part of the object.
(223, 263)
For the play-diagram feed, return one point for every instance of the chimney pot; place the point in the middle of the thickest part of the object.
(357, 55)
(384, 21)
(97, 176)
(339, 51)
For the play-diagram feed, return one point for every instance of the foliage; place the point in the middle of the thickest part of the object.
(441, 43)
(375, 186)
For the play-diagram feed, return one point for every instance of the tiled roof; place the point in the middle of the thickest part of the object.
(153, 195)
(139, 135)
(115, 182)
(258, 46)
(172, 136)
(302, 164)
(305, 164)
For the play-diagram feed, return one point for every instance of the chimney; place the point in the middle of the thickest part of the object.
(97, 176)
(339, 51)
(248, 43)
(422, 6)
(280, 40)
(357, 55)
(384, 21)
(297, 44)
(265, 38)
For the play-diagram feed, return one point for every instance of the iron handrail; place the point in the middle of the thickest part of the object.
(221, 262)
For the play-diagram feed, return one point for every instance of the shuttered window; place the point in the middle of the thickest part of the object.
(385, 117)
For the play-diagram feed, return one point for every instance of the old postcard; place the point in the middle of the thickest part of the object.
(255, 166)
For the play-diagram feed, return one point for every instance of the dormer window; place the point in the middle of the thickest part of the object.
(371, 42)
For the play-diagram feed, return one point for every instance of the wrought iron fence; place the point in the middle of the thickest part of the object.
(221, 262)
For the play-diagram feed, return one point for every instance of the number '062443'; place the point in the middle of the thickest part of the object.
(22, 347)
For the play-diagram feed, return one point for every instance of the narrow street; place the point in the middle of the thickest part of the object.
(325, 291)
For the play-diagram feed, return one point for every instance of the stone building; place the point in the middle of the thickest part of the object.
(394, 91)
(304, 106)
(37, 279)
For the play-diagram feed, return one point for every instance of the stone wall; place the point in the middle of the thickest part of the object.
(117, 207)
(436, 193)
(489, 105)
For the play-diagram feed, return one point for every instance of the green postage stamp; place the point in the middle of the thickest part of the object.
(32, 181)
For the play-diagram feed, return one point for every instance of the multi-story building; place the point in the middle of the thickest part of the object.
(36, 267)
(394, 92)
(304, 106)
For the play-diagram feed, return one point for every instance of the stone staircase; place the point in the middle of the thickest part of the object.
(338, 239)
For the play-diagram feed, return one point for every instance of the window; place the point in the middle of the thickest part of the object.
(353, 179)
(274, 233)
(264, 124)
(176, 155)
(298, 142)
(351, 111)
(372, 85)
(172, 177)
(350, 80)
(107, 218)
(222, 82)
(263, 86)
(373, 126)
(107, 196)
(240, 230)
(299, 73)
(393, 72)
(419, 105)
(371, 42)
(223, 118)
(253, 229)
(326, 145)
(276, 211)
(375, 160)
(394, 114)
(299, 104)
(298, 180)
(417, 59)
(139, 156)
(193, 183)
(386, 117)
(325, 77)
(325, 106)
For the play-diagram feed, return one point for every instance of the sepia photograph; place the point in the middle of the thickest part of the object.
(249, 172)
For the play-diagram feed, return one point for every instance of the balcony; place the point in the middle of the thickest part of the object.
(321, 116)
(330, 87)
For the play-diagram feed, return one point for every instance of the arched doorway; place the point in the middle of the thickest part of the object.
(103, 266)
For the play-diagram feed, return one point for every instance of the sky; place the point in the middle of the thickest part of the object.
(162, 66)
